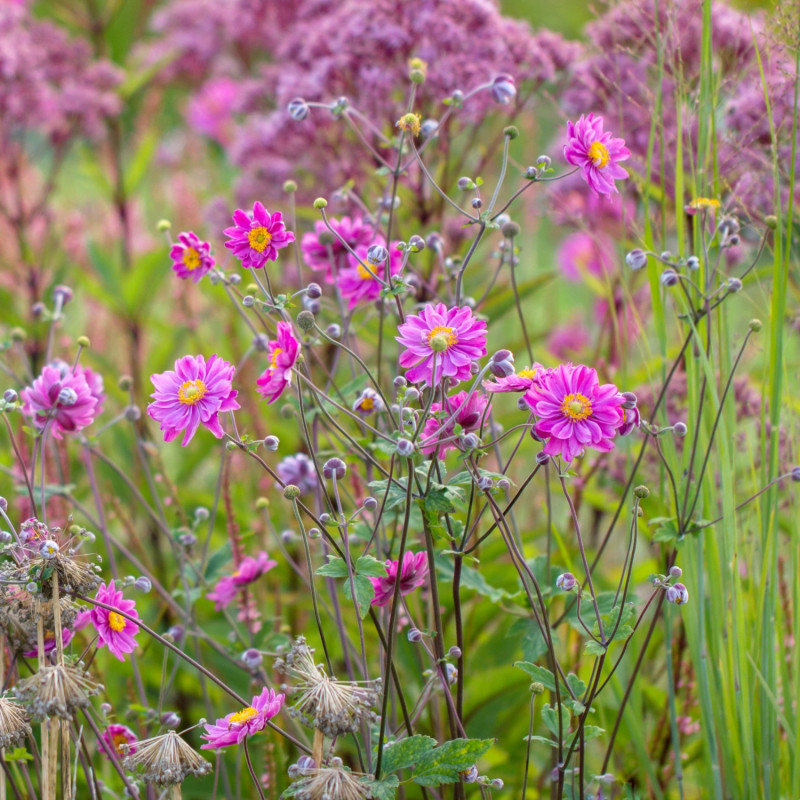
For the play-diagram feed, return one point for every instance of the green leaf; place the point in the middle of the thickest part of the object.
(470, 579)
(594, 648)
(365, 591)
(370, 567)
(396, 494)
(335, 568)
(385, 789)
(217, 560)
(576, 684)
(17, 754)
(405, 753)
(445, 763)
(550, 717)
(542, 739)
(534, 645)
(540, 674)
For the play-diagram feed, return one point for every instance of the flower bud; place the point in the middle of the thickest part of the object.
(169, 719)
(678, 594)
(125, 382)
(641, 492)
(503, 89)
(771, 221)
(630, 400)
(370, 503)
(83, 342)
(305, 320)
(510, 230)
(795, 473)
(469, 442)
(325, 518)
(143, 584)
(314, 533)
(314, 291)
(675, 572)
(320, 202)
(669, 278)
(405, 448)
(416, 243)
(67, 397)
(470, 775)
(271, 443)
(248, 301)
(428, 128)
(290, 187)
(485, 483)
(542, 458)
(476, 202)
(512, 131)
(252, 658)
(566, 581)
(163, 225)
(450, 672)
(377, 254)
(693, 262)
(291, 492)
(333, 330)
(755, 325)
(679, 429)
(10, 396)
(334, 468)
(530, 173)
(298, 109)
(497, 783)
(734, 285)
(465, 183)
(3, 504)
(201, 514)
(636, 259)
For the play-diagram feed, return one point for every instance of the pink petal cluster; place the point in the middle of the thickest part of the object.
(192, 394)
(468, 414)
(283, 353)
(596, 152)
(441, 340)
(50, 643)
(412, 575)
(191, 257)
(358, 284)
(210, 111)
(93, 379)
(583, 253)
(113, 630)
(575, 411)
(63, 403)
(115, 736)
(249, 570)
(517, 382)
(256, 239)
(323, 251)
(236, 727)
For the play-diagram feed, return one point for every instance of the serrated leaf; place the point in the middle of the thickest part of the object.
(335, 568)
(594, 648)
(369, 566)
(365, 591)
(550, 717)
(405, 753)
(539, 674)
(533, 643)
(542, 739)
(17, 754)
(385, 789)
(217, 560)
(576, 684)
(445, 763)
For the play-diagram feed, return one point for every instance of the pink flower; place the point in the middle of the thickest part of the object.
(115, 736)
(112, 628)
(61, 403)
(631, 419)
(191, 258)
(256, 240)
(358, 283)
(468, 415)
(582, 254)
(443, 340)
(567, 341)
(412, 576)
(574, 411)
(210, 111)
(194, 393)
(324, 251)
(283, 353)
(596, 153)
(93, 379)
(82, 619)
(249, 570)
(518, 382)
(50, 643)
(235, 728)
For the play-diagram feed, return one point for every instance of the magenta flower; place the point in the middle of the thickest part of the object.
(358, 283)
(324, 251)
(194, 393)
(115, 736)
(256, 240)
(210, 111)
(50, 643)
(283, 353)
(93, 379)
(191, 258)
(235, 728)
(112, 628)
(582, 253)
(468, 414)
(61, 403)
(299, 471)
(596, 153)
(441, 340)
(249, 570)
(575, 411)
(518, 382)
(412, 576)
(631, 420)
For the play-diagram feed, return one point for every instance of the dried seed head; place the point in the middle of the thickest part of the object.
(14, 725)
(164, 760)
(333, 783)
(57, 691)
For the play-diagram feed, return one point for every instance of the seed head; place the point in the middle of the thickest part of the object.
(56, 691)
(164, 760)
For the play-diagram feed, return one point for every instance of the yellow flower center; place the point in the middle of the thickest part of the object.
(116, 621)
(678, 600)
(598, 154)
(365, 274)
(576, 407)
(410, 122)
(704, 202)
(366, 404)
(192, 392)
(119, 739)
(527, 373)
(243, 716)
(259, 239)
(273, 362)
(191, 258)
(442, 339)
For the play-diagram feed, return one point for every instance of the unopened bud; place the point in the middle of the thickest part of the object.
(83, 341)
(320, 202)
(405, 448)
(143, 584)
(290, 187)
(679, 429)
(334, 468)
(291, 492)
(271, 443)
(636, 259)
(512, 131)
(298, 109)
(503, 89)
(510, 230)
(10, 396)
(641, 492)
(163, 225)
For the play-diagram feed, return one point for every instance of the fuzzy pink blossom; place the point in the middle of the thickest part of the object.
(50, 643)
(93, 379)
(323, 251)
(468, 414)
(115, 631)
(62, 403)
(441, 340)
(191, 257)
(194, 393)
(358, 283)
(210, 111)
(256, 239)
(584, 254)
(574, 411)
(596, 152)
(518, 382)
(412, 576)
(283, 353)
(115, 736)
(249, 570)
(236, 727)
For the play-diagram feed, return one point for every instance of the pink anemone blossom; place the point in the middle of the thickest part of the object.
(249, 570)
(191, 257)
(441, 340)
(596, 153)
(192, 394)
(114, 631)
(256, 240)
(50, 643)
(94, 379)
(517, 382)
(236, 727)
(574, 411)
(116, 736)
(412, 576)
(358, 283)
(61, 403)
(468, 414)
(323, 251)
(283, 353)
(582, 253)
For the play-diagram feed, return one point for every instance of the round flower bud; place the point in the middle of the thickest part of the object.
(377, 254)
(679, 429)
(143, 584)
(497, 783)
(187, 539)
(83, 341)
(630, 400)
(675, 572)
(248, 301)
(252, 658)
(454, 652)
(334, 468)
(67, 397)
(32, 587)
(503, 89)
(399, 382)
(105, 709)
(320, 202)
(3, 504)
(544, 162)
(5, 537)
(693, 262)
(530, 173)
(298, 109)
(771, 221)
(290, 187)
(271, 443)
(457, 96)
(536, 688)
(235, 279)
(325, 518)
(412, 395)
(636, 259)
(501, 369)
(504, 484)
(451, 673)
(566, 581)
(305, 320)
(305, 764)
(477, 202)
(485, 483)
(262, 502)
(169, 719)
(428, 128)
(10, 396)
(669, 277)
(416, 243)
(201, 514)
(313, 533)
(512, 131)
(795, 473)
(542, 458)
(405, 448)
(465, 183)
(370, 503)
(314, 291)
(334, 331)
(163, 225)
(291, 492)
(125, 382)
(678, 594)
(510, 230)
(469, 442)
(641, 492)
(734, 285)
(755, 325)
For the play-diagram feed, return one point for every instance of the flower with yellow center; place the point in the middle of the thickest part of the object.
(273, 361)
(411, 123)
(366, 404)
(191, 258)
(442, 338)
(192, 392)
(704, 203)
(598, 154)
(118, 740)
(577, 407)
(529, 374)
(242, 717)
(259, 239)
(365, 273)
(116, 621)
